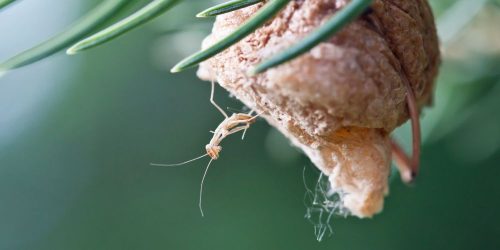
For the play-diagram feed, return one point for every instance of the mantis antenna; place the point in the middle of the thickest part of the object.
(201, 187)
(177, 164)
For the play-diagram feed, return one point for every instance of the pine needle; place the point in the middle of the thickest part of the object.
(264, 14)
(145, 14)
(81, 28)
(227, 7)
(339, 20)
(4, 3)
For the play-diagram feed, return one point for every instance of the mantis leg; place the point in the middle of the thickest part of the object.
(240, 128)
(248, 121)
(213, 102)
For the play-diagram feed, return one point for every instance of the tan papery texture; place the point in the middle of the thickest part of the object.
(340, 101)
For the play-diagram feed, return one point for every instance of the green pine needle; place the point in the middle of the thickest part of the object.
(264, 14)
(77, 31)
(4, 3)
(227, 7)
(343, 17)
(141, 16)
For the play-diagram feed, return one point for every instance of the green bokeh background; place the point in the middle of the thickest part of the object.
(74, 164)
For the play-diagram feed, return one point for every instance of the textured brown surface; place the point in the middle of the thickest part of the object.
(340, 101)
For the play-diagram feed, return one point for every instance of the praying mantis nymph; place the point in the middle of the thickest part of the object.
(230, 125)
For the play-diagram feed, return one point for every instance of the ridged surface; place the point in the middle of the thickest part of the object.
(340, 101)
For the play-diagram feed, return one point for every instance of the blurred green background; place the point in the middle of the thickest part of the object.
(77, 135)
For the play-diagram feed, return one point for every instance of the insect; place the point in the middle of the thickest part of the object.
(231, 124)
